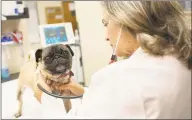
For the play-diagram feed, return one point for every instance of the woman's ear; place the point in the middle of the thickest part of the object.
(38, 55)
(71, 51)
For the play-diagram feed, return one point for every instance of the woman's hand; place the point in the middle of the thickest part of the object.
(72, 86)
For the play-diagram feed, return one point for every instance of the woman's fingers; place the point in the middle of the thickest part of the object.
(63, 86)
(50, 85)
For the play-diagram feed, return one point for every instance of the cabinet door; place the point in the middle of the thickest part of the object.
(69, 13)
(54, 15)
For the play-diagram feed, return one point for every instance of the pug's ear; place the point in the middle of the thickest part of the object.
(38, 55)
(71, 51)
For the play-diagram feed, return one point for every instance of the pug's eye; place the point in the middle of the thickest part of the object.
(61, 51)
(56, 57)
(65, 54)
(47, 58)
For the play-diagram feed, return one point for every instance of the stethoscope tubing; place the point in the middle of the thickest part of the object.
(57, 96)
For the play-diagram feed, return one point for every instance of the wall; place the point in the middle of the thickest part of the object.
(95, 50)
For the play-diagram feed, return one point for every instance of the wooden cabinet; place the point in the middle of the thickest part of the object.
(65, 13)
(54, 15)
(69, 13)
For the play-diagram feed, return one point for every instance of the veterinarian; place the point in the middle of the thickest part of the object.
(154, 82)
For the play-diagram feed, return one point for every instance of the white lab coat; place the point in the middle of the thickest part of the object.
(139, 87)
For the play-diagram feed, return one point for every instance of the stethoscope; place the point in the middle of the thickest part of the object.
(59, 96)
(113, 59)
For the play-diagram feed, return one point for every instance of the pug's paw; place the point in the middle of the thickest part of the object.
(38, 95)
(18, 114)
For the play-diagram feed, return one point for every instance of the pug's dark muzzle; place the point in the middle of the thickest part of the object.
(57, 64)
(57, 59)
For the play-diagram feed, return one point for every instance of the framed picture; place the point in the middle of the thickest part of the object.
(61, 33)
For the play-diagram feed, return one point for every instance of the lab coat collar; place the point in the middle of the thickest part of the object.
(138, 55)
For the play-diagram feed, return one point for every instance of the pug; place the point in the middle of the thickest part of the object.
(52, 63)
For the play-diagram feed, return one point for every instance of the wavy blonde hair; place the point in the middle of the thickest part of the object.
(159, 26)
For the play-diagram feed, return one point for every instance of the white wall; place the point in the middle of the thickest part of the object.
(96, 51)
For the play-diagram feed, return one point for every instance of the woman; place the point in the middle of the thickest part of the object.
(155, 82)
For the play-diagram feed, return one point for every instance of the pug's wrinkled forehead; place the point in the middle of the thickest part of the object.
(57, 50)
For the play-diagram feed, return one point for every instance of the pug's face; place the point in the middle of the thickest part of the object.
(55, 59)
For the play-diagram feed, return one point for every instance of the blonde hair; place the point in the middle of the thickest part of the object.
(159, 26)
